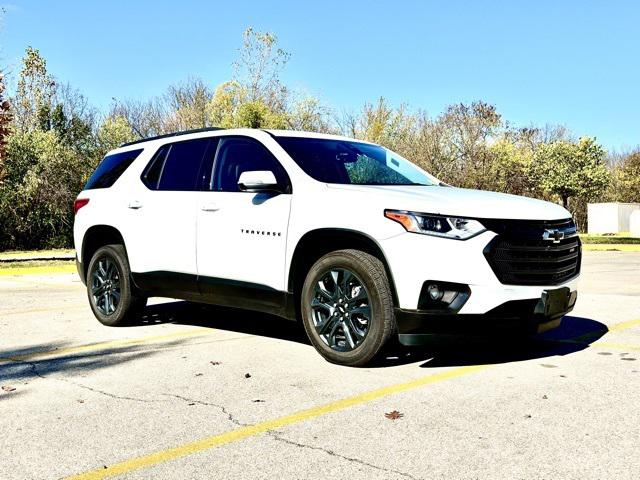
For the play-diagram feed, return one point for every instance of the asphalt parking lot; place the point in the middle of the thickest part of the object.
(201, 392)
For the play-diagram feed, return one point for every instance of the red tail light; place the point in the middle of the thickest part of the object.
(79, 203)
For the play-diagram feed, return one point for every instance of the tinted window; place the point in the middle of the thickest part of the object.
(110, 169)
(176, 166)
(347, 162)
(236, 155)
(151, 175)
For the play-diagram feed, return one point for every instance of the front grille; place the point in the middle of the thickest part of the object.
(519, 254)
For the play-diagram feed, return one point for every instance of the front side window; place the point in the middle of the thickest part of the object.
(110, 169)
(350, 162)
(176, 166)
(242, 154)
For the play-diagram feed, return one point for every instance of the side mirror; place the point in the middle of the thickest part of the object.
(258, 181)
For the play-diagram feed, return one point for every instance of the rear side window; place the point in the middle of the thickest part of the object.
(176, 166)
(110, 169)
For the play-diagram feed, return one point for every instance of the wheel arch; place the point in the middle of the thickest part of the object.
(317, 243)
(95, 237)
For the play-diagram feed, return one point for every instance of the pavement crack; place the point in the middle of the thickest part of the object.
(36, 372)
(278, 437)
(106, 394)
(222, 408)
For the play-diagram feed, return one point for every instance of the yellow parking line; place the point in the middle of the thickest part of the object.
(107, 345)
(624, 325)
(44, 310)
(610, 247)
(617, 346)
(251, 430)
(40, 270)
(301, 416)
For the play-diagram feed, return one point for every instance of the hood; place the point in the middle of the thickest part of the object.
(459, 202)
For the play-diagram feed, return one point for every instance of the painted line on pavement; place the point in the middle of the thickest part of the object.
(214, 441)
(40, 270)
(610, 247)
(617, 346)
(59, 309)
(262, 427)
(624, 325)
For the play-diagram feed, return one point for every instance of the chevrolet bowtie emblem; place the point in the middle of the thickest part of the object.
(553, 235)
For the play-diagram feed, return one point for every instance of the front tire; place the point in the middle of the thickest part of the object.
(347, 307)
(112, 296)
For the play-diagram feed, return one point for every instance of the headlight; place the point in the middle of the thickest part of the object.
(437, 225)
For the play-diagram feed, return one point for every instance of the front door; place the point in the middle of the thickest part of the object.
(242, 236)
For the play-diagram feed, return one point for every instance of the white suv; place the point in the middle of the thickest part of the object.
(347, 236)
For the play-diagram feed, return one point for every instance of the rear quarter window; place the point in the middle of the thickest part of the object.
(176, 166)
(110, 169)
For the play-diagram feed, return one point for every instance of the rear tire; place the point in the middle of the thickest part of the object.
(113, 298)
(347, 307)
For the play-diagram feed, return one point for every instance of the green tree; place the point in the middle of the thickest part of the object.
(113, 132)
(511, 167)
(35, 91)
(5, 126)
(628, 179)
(43, 178)
(188, 104)
(572, 169)
(258, 68)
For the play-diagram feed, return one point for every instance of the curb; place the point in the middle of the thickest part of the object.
(63, 258)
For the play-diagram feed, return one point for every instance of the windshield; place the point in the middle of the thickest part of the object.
(355, 163)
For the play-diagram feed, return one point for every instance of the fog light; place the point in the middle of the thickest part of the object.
(445, 297)
(434, 292)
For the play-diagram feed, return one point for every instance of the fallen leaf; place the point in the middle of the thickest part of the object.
(7, 388)
(247, 375)
(395, 415)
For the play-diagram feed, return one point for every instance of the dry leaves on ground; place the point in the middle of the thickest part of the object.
(395, 415)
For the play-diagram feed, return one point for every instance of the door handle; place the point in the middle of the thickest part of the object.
(135, 204)
(210, 207)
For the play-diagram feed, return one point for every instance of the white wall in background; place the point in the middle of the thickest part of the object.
(610, 217)
(634, 223)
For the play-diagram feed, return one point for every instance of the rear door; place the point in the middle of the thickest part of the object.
(161, 238)
(242, 236)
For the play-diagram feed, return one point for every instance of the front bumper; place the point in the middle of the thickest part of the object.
(414, 259)
(520, 317)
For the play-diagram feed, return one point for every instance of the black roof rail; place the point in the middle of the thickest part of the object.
(174, 134)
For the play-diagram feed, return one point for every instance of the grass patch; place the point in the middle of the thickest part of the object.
(609, 239)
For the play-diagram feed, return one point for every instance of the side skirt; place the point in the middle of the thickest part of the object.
(217, 291)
